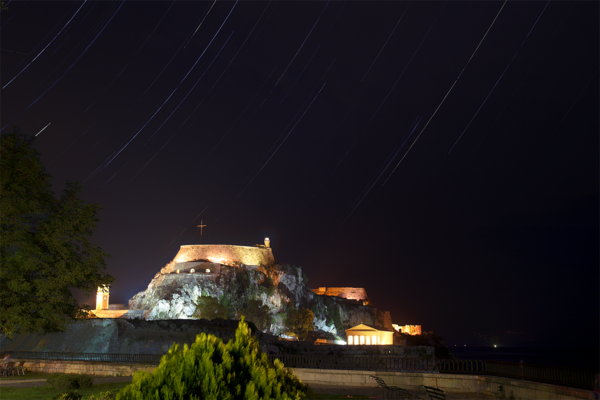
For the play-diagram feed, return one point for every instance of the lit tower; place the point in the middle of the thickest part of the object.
(102, 298)
(267, 242)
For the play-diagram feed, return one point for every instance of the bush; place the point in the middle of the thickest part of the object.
(210, 369)
(64, 381)
(85, 381)
(258, 313)
(300, 321)
(75, 395)
(209, 308)
(108, 395)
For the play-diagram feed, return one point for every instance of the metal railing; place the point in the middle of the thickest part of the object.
(367, 363)
(562, 376)
(96, 357)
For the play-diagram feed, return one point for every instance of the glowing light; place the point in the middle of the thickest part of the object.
(207, 271)
(177, 271)
(192, 271)
(216, 260)
(495, 346)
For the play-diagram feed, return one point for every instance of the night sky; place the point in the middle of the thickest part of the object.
(340, 131)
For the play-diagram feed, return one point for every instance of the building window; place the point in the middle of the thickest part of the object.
(362, 339)
(368, 339)
(350, 339)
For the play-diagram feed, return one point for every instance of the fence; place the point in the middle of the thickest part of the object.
(563, 376)
(98, 357)
(365, 363)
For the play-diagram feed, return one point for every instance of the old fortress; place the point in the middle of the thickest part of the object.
(207, 259)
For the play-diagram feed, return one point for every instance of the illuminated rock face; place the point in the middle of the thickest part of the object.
(349, 293)
(225, 254)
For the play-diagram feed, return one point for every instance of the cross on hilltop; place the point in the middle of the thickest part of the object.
(201, 226)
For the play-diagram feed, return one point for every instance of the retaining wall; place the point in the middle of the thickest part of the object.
(520, 390)
(85, 367)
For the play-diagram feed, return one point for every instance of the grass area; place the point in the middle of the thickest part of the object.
(46, 393)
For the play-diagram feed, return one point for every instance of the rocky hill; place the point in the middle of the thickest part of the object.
(174, 294)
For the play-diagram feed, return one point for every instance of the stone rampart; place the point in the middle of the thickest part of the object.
(126, 314)
(224, 254)
(349, 293)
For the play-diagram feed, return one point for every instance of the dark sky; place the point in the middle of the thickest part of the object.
(340, 130)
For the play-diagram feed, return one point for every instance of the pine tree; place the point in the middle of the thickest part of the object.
(212, 370)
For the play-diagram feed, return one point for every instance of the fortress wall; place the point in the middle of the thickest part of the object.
(225, 254)
(343, 292)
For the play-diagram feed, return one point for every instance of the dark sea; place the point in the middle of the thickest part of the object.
(559, 357)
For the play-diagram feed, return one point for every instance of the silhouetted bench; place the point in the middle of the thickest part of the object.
(393, 392)
(434, 393)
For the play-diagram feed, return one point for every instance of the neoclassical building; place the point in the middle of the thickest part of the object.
(364, 334)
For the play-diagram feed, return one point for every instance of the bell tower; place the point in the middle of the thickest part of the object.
(267, 242)
(102, 298)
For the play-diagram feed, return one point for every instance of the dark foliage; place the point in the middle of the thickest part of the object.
(44, 246)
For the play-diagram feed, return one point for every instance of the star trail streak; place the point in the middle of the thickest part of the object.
(444, 144)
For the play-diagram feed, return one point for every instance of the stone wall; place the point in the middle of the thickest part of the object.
(223, 254)
(482, 386)
(85, 367)
(349, 293)
(126, 314)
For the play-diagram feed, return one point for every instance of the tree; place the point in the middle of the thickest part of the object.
(300, 321)
(44, 246)
(258, 313)
(209, 308)
(210, 369)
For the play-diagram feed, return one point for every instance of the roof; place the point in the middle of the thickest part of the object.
(365, 327)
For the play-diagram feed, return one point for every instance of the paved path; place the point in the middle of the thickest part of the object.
(377, 393)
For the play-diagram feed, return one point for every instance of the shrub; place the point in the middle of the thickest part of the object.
(258, 313)
(64, 381)
(210, 369)
(85, 381)
(209, 308)
(108, 395)
(300, 321)
(75, 395)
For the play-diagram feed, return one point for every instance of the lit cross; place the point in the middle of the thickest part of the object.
(201, 226)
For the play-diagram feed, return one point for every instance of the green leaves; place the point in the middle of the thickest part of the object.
(258, 313)
(44, 246)
(300, 321)
(208, 307)
(210, 369)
